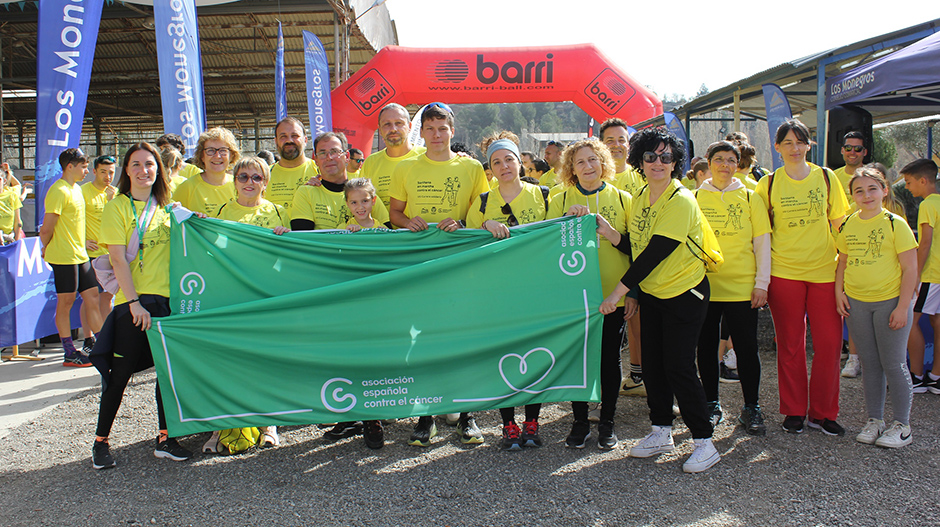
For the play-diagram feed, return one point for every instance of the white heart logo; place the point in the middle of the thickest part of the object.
(524, 369)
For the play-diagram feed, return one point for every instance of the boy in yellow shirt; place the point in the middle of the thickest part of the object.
(97, 193)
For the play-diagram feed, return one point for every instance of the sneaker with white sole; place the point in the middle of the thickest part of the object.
(451, 419)
(468, 430)
(212, 445)
(703, 457)
(659, 441)
(920, 383)
(101, 457)
(594, 415)
(853, 367)
(871, 431)
(933, 385)
(632, 388)
(269, 437)
(896, 436)
(730, 359)
(170, 449)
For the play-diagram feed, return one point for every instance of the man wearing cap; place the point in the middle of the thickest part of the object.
(394, 127)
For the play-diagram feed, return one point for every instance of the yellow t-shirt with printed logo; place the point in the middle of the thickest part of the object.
(379, 167)
(802, 246)
(267, 214)
(9, 204)
(527, 207)
(630, 180)
(285, 182)
(615, 206)
(737, 217)
(198, 196)
(327, 209)
(844, 178)
(873, 272)
(929, 214)
(549, 179)
(436, 190)
(674, 215)
(95, 200)
(151, 268)
(67, 246)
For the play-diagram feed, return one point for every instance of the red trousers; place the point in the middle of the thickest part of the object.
(792, 302)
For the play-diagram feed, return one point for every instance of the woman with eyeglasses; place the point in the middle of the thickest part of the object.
(216, 153)
(251, 180)
(586, 177)
(673, 295)
(739, 288)
(806, 204)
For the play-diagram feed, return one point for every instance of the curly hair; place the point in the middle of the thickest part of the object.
(648, 140)
(567, 176)
(220, 134)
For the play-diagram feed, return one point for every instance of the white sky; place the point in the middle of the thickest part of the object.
(672, 50)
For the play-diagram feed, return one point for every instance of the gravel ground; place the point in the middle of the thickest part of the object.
(780, 479)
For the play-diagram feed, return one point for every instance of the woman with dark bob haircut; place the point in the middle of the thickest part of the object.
(673, 295)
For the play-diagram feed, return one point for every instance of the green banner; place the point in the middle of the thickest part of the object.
(334, 326)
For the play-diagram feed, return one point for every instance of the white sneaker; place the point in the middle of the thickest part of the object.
(852, 369)
(871, 431)
(212, 445)
(703, 457)
(269, 437)
(730, 359)
(896, 436)
(594, 415)
(657, 442)
(451, 419)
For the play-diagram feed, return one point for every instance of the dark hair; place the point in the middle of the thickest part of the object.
(541, 165)
(737, 136)
(699, 166)
(173, 140)
(328, 135)
(359, 183)
(267, 156)
(648, 140)
(524, 153)
(457, 147)
(869, 172)
(610, 123)
(437, 111)
(161, 187)
(292, 120)
(722, 146)
(355, 151)
(104, 160)
(486, 165)
(798, 128)
(72, 156)
(854, 135)
(921, 168)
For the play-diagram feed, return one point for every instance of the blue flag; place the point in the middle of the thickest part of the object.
(631, 130)
(674, 125)
(280, 87)
(180, 64)
(778, 111)
(319, 107)
(68, 31)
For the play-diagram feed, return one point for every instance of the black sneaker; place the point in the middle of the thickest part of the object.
(88, 345)
(828, 427)
(933, 386)
(373, 434)
(793, 424)
(530, 434)
(753, 420)
(580, 433)
(512, 437)
(423, 432)
(343, 430)
(606, 438)
(77, 360)
(920, 383)
(468, 430)
(714, 413)
(170, 449)
(101, 457)
(726, 374)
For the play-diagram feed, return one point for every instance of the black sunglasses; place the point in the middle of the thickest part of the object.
(665, 157)
(853, 148)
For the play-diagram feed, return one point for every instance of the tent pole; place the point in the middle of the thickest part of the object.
(737, 111)
(821, 114)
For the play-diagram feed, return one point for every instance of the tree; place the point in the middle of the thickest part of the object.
(883, 150)
(911, 136)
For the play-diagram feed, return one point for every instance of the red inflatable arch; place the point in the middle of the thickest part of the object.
(578, 73)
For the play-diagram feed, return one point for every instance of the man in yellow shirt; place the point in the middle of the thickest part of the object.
(552, 156)
(97, 193)
(355, 163)
(294, 169)
(853, 153)
(62, 235)
(394, 127)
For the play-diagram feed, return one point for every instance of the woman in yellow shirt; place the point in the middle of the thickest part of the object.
(10, 205)
(251, 180)
(216, 153)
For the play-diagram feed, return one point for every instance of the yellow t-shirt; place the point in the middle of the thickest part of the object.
(690, 184)
(9, 204)
(198, 196)
(327, 209)
(95, 200)
(802, 246)
(67, 246)
(844, 178)
(737, 217)
(873, 272)
(436, 190)
(379, 167)
(189, 170)
(630, 180)
(747, 179)
(549, 179)
(118, 221)
(175, 182)
(377, 224)
(527, 207)
(267, 214)
(930, 214)
(285, 182)
(674, 215)
(616, 206)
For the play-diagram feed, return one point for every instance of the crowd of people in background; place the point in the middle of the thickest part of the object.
(813, 244)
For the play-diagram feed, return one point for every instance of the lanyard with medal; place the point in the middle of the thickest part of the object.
(142, 222)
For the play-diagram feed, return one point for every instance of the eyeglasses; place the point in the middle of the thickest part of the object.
(725, 161)
(665, 157)
(255, 178)
(105, 159)
(211, 152)
(853, 148)
(334, 152)
(440, 105)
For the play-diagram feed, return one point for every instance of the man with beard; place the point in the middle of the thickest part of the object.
(394, 127)
(294, 168)
(553, 152)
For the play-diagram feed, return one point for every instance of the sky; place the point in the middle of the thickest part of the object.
(674, 50)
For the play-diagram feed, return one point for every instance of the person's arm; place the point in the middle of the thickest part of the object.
(17, 225)
(762, 277)
(835, 223)
(397, 216)
(302, 225)
(923, 250)
(122, 272)
(908, 261)
(656, 251)
(47, 229)
(842, 301)
(619, 240)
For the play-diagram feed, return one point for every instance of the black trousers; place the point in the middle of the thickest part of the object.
(611, 340)
(741, 320)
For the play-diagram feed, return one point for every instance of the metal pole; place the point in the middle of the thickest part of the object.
(257, 133)
(737, 111)
(930, 139)
(336, 50)
(821, 114)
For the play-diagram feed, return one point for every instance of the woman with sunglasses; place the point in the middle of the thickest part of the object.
(216, 153)
(673, 295)
(251, 180)
(586, 177)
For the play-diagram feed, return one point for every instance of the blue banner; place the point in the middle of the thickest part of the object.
(180, 64)
(68, 31)
(27, 294)
(319, 107)
(674, 125)
(280, 87)
(778, 111)
(631, 130)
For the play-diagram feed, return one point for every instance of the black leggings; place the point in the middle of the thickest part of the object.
(531, 413)
(742, 326)
(611, 341)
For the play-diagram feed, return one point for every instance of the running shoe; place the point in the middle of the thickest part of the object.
(88, 345)
(703, 457)
(343, 430)
(896, 436)
(871, 431)
(606, 438)
(580, 433)
(920, 383)
(451, 419)
(727, 374)
(373, 434)
(658, 441)
(101, 457)
(530, 434)
(269, 437)
(77, 360)
(423, 432)
(753, 420)
(714, 413)
(828, 427)
(512, 437)
(730, 359)
(793, 424)
(853, 367)
(212, 445)
(633, 387)
(933, 386)
(170, 449)
(468, 430)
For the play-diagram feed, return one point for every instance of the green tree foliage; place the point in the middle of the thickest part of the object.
(911, 137)
(884, 151)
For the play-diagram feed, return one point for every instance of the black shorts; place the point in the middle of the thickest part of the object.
(73, 277)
